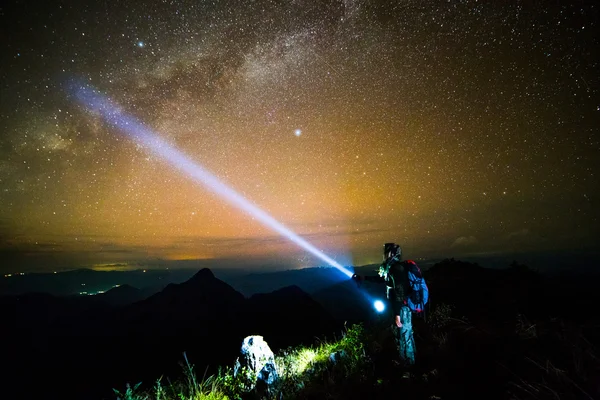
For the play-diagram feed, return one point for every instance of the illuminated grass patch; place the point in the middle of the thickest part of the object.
(297, 368)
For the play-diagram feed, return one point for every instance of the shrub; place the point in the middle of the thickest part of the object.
(440, 316)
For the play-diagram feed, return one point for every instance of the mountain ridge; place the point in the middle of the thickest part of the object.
(203, 316)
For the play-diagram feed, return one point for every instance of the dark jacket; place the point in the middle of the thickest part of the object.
(396, 282)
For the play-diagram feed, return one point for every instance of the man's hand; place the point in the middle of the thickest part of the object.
(398, 323)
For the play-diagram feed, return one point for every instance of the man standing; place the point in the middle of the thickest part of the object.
(395, 274)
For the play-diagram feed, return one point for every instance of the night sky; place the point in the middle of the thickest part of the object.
(452, 127)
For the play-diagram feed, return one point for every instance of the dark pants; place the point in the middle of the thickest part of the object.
(405, 340)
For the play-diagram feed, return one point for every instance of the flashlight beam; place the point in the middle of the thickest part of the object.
(135, 129)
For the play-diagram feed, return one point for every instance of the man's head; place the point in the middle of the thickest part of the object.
(391, 250)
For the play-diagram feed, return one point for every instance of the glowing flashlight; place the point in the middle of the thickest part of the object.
(94, 101)
(379, 305)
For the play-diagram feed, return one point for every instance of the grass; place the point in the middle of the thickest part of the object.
(300, 370)
(534, 360)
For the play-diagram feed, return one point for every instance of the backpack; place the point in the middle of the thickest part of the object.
(418, 293)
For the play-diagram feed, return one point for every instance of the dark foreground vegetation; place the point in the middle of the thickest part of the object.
(508, 334)
(550, 360)
(500, 334)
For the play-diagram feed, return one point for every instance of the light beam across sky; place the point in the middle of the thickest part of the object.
(136, 130)
(354, 123)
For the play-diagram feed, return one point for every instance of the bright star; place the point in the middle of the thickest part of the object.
(140, 44)
(298, 132)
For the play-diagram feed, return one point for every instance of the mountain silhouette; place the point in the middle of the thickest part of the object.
(121, 295)
(100, 344)
(308, 279)
(346, 302)
(86, 280)
(202, 296)
(298, 317)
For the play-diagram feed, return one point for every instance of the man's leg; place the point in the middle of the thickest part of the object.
(404, 337)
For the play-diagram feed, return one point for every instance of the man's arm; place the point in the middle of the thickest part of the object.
(397, 321)
(361, 278)
(376, 279)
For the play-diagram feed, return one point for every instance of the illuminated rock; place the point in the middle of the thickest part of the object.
(337, 356)
(256, 364)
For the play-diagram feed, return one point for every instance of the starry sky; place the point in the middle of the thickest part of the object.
(451, 127)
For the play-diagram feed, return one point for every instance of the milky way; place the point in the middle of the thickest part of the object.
(453, 128)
